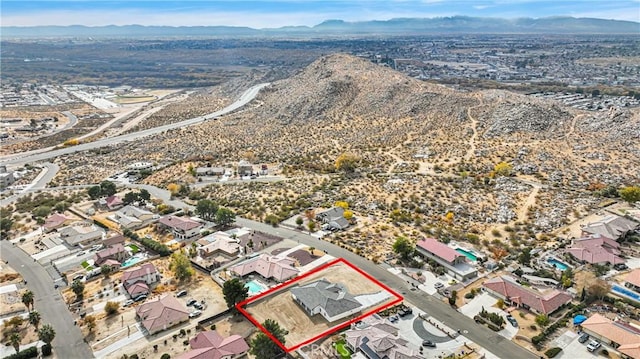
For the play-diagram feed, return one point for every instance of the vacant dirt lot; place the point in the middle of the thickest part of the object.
(281, 307)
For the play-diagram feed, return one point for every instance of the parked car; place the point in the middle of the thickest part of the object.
(593, 345)
(620, 266)
(512, 320)
(181, 293)
(428, 343)
(128, 303)
(140, 298)
(394, 318)
(79, 277)
(198, 306)
(191, 302)
(583, 338)
(194, 314)
(438, 285)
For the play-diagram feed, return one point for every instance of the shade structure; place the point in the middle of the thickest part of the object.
(579, 319)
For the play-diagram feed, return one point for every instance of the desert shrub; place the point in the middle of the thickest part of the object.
(30, 352)
(165, 356)
(469, 295)
(552, 352)
(46, 350)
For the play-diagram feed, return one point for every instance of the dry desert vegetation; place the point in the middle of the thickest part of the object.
(490, 167)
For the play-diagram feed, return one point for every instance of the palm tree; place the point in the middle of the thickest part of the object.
(27, 299)
(46, 334)
(34, 319)
(15, 340)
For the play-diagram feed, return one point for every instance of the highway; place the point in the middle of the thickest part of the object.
(22, 159)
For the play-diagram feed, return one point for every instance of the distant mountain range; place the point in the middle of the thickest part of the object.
(401, 26)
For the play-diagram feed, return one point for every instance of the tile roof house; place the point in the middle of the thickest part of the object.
(218, 243)
(378, 340)
(182, 228)
(596, 249)
(161, 314)
(506, 288)
(115, 252)
(137, 280)
(81, 234)
(620, 336)
(267, 266)
(211, 345)
(454, 262)
(632, 280)
(111, 202)
(132, 217)
(54, 221)
(331, 300)
(611, 227)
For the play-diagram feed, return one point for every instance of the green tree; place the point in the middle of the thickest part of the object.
(46, 334)
(630, 194)
(403, 247)
(78, 288)
(262, 346)
(299, 221)
(94, 192)
(453, 298)
(106, 270)
(130, 197)
(6, 223)
(90, 322)
(111, 308)
(41, 211)
(234, 292)
(181, 266)
(225, 217)
(34, 319)
(311, 225)
(60, 207)
(108, 188)
(15, 322)
(599, 289)
(15, 340)
(27, 299)
(542, 320)
(144, 195)
(206, 209)
(524, 257)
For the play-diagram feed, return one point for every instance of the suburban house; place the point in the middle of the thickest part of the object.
(83, 234)
(245, 168)
(210, 171)
(211, 345)
(137, 280)
(331, 300)
(108, 242)
(218, 243)
(183, 228)
(506, 288)
(333, 218)
(612, 226)
(596, 249)
(632, 280)
(454, 262)
(162, 313)
(6, 177)
(270, 267)
(110, 203)
(55, 221)
(376, 338)
(621, 336)
(132, 217)
(115, 252)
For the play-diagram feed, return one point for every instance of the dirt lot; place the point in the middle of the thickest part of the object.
(281, 307)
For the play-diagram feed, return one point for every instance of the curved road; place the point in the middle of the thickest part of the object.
(49, 303)
(21, 159)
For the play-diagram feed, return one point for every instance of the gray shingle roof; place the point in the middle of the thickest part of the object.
(333, 297)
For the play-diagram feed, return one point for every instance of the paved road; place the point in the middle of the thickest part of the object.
(21, 159)
(49, 171)
(69, 342)
(481, 335)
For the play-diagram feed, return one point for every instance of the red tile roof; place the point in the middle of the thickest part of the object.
(55, 220)
(633, 277)
(161, 314)
(138, 272)
(182, 223)
(211, 345)
(625, 335)
(543, 303)
(439, 249)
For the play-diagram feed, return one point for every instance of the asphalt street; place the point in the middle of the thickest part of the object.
(69, 343)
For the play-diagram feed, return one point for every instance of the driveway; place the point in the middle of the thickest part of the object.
(69, 342)
(571, 347)
(486, 301)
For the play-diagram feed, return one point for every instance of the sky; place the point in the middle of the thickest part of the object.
(277, 13)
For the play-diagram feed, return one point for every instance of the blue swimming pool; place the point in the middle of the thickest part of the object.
(467, 254)
(255, 287)
(626, 292)
(131, 261)
(556, 263)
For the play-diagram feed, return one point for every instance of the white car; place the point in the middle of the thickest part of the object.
(593, 345)
(194, 314)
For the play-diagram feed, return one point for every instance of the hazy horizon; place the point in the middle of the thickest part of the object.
(271, 14)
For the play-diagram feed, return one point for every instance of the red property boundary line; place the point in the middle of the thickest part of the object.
(240, 306)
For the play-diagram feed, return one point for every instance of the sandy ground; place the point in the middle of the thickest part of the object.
(281, 307)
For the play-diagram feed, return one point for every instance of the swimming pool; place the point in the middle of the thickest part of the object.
(255, 287)
(556, 263)
(131, 261)
(626, 292)
(467, 254)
